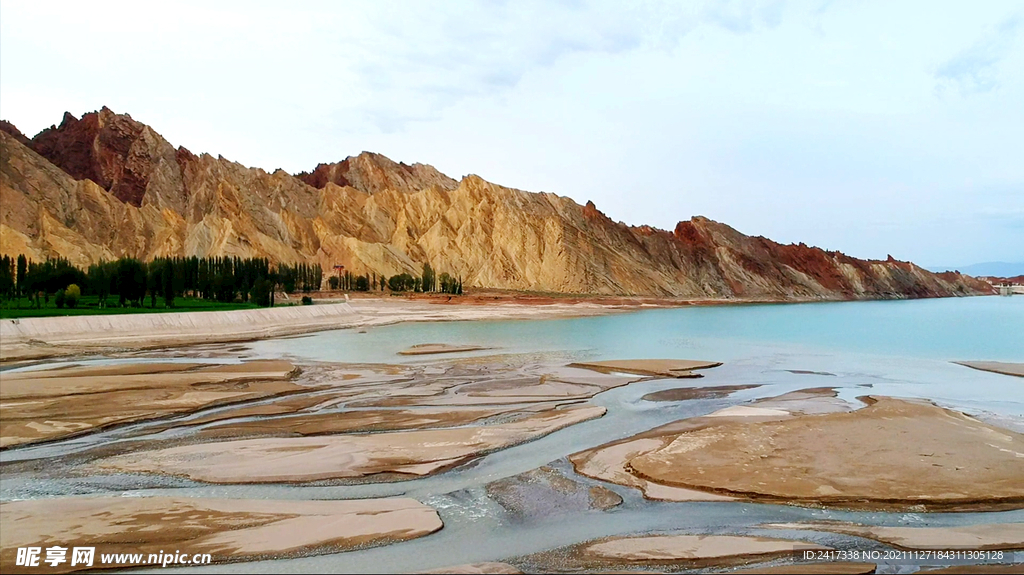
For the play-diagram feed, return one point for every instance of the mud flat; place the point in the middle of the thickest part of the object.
(693, 551)
(687, 393)
(436, 348)
(228, 529)
(998, 536)
(1002, 367)
(413, 453)
(652, 367)
(46, 404)
(891, 455)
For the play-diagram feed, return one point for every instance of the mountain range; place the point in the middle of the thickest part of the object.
(105, 185)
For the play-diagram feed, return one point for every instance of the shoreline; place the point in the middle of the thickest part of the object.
(32, 339)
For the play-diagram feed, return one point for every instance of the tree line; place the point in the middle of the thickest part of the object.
(222, 279)
(129, 281)
(428, 282)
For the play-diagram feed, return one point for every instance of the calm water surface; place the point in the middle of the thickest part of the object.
(943, 329)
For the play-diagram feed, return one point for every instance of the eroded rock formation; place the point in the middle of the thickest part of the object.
(105, 186)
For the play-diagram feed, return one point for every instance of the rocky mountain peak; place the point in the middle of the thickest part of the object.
(105, 186)
(371, 173)
(13, 131)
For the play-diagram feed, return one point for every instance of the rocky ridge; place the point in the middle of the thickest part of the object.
(106, 185)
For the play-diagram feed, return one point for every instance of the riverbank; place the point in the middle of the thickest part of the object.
(28, 339)
(42, 338)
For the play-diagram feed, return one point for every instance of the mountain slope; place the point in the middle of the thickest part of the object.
(105, 185)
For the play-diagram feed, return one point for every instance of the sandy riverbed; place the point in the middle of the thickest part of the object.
(365, 427)
(228, 529)
(810, 448)
(46, 404)
(691, 551)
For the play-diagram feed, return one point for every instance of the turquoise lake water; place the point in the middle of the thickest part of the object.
(977, 328)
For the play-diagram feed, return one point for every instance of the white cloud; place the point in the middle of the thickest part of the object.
(804, 121)
(975, 69)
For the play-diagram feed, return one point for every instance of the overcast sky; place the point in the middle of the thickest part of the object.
(873, 128)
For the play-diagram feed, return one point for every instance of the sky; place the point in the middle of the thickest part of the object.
(869, 127)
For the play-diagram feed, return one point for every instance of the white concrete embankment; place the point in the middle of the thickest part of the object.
(160, 329)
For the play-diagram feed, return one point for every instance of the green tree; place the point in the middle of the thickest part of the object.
(261, 292)
(130, 281)
(98, 280)
(58, 298)
(71, 295)
(22, 273)
(6, 277)
(428, 277)
(446, 282)
(153, 283)
(168, 281)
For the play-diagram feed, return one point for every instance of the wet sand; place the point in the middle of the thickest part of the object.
(47, 404)
(691, 551)
(611, 462)
(436, 348)
(688, 393)
(809, 448)
(652, 367)
(361, 421)
(1002, 367)
(999, 536)
(228, 529)
(893, 454)
(413, 453)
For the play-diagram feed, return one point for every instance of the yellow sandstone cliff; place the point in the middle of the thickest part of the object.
(106, 186)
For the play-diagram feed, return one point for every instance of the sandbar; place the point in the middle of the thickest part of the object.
(686, 393)
(991, 536)
(653, 367)
(350, 422)
(690, 550)
(303, 459)
(1003, 367)
(611, 462)
(893, 454)
(434, 348)
(47, 404)
(228, 529)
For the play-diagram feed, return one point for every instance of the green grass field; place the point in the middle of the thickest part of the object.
(89, 305)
